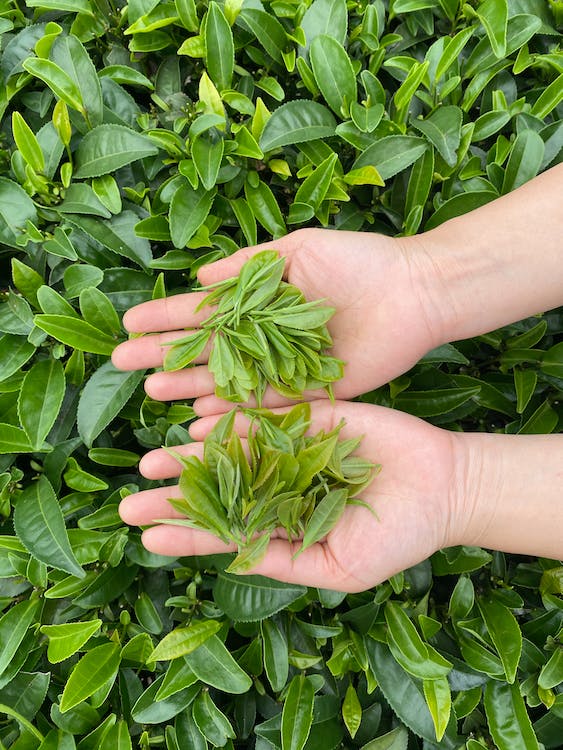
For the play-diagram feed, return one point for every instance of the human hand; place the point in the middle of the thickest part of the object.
(383, 322)
(412, 498)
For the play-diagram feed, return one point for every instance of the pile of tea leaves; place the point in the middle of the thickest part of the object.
(280, 476)
(262, 332)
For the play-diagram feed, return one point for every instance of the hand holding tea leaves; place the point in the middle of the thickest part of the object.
(412, 498)
(262, 331)
(380, 328)
(281, 478)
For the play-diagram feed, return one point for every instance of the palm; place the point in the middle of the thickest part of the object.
(380, 328)
(411, 497)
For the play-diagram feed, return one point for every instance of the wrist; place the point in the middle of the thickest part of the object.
(495, 265)
(507, 493)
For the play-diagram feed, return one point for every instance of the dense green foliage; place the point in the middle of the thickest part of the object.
(137, 142)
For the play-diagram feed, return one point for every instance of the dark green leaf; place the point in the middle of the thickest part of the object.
(39, 524)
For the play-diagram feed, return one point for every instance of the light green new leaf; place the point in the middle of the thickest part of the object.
(265, 207)
(334, 73)
(315, 187)
(98, 310)
(493, 14)
(60, 83)
(70, 55)
(40, 399)
(352, 710)
(39, 524)
(96, 668)
(103, 397)
(27, 143)
(219, 47)
(505, 634)
(439, 702)
(443, 130)
(297, 713)
(182, 641)
(409, 86)
(65, 640)
(108, 147)
(509, 723)
(525, 160)
(323, 519)
(76, 333)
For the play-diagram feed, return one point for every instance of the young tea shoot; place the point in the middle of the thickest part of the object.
(278, 477)
(262, 332)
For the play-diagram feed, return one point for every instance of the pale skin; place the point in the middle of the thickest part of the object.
(395, 300)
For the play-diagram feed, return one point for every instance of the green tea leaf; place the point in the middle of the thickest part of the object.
(39, 524)
(95, 668)
(323, 519)
(14, 625)
(68, 638)
(509, 723)
(182, 641)
(103, 397)
(439, 701)
(333, 72)
(76, 333)
(297, 713)
(392, 154)
(296, 122)
(188, 211)
(40, 399)
(219, 47)
(108, 147)
(505, 633)
(214, 665)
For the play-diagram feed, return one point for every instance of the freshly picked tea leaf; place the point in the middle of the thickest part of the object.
(263, 332)
(286, 478)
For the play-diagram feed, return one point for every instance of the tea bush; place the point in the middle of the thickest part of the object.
(141, 140)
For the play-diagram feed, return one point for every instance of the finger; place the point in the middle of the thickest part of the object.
(189, 383)
(324, 416)
(159, 464)
(149, 351)
(230, 266)
(181, 541)
(167, 314)
(146, 507)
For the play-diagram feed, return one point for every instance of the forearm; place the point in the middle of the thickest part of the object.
(509, 493)
(499, 263)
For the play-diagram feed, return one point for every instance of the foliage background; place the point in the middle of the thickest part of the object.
(151, 137)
